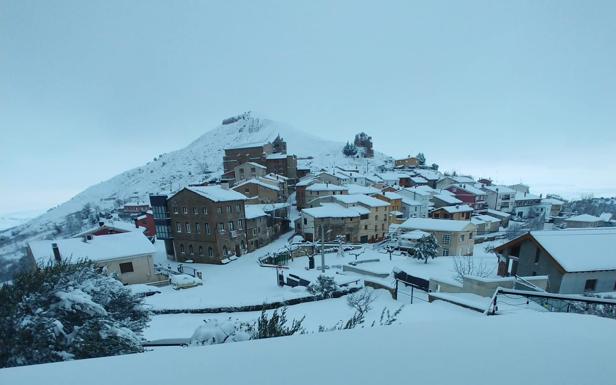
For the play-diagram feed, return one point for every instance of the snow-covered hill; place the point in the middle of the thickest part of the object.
(170, 171)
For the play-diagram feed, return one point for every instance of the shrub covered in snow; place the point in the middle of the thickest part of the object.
(324, 286)
(67, 311)
(215, 331)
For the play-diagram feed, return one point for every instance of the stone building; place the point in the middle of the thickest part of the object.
(207, 224)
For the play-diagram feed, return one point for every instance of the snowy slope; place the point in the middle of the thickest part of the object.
(172, 170)
(530, 348)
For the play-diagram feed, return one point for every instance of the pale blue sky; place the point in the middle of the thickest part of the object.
(520, 90)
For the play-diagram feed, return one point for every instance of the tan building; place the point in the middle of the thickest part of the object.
(374, 215)
(453, 237)
(258, 191)
(409, 162)
(317, 191)
(265, 222)
(457, 212)
(249, 170)
(127, 256)
(330, 220)
(207, 224)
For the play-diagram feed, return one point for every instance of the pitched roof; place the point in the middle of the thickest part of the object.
(584, 218)
(469, 188)
(257, 182)
(449, 199)
(363, 199)
(436, 224)
(358, 189)
(331, 210)
(577, 250)
(215, 193)
(98, 248)
(456, 209)
(325, 187)
(501, 189)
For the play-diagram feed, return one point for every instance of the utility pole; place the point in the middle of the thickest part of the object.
(322, 249)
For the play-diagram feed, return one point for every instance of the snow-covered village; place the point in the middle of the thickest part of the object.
(264, 253)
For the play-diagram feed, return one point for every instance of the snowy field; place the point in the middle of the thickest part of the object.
(244, 282)
(531, 348)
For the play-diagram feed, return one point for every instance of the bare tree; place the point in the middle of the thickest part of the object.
(468, 265)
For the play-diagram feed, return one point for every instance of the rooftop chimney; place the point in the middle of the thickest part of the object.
(101, 223)
(56, 252)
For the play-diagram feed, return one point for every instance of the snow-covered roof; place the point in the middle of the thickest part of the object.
(137, 204)
(277, 156)
(526, 197)
(584, 218)
(484, 218)
(469, 188)
(98, 248)
(277, 177)
(358, 189)
(252, 164)
(305, 181)
(436, 224)
(501, 189)
(606, 217)
(428, 174)
(449, 199)
(411, 202)
(363, 199)
(392, 195)
(246, 145)
(215, 193)
(456, 209)
(254, 211)
(552, 201)
(580, 249)
(257, 182)
(419, 190)
(419, 179)
(120, 226)
(325, 187)
(414, 235)
(331, 210)
(500, 214)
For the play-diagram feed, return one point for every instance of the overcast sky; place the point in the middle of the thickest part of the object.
(518, 90)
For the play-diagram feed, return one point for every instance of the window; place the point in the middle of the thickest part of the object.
(237, 208)
(305, 221)
(204, 211)
(445, 252)
(190, 250)
(231, 226)
(188, 228)
(219, 210)
(210, 252)
(207, 228)
(195, 211)
(254, 232)
(537, 252)
(446, 239)
(240, 224)
(228, 209)
(461, 237)
(126, 267)
(590, 285)
(198, 228)
(221, 227)
(185, 210)
(175, 210)
(182, 248)
(201, 251)
(178, 228)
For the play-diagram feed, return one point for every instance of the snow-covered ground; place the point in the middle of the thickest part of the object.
(527, 348)
(8, 220)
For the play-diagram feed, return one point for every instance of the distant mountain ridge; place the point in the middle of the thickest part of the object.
(199, 161)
